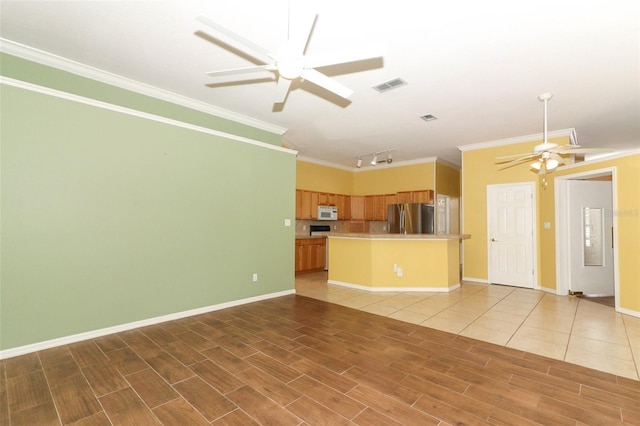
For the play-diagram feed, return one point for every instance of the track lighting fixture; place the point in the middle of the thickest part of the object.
(374, 158)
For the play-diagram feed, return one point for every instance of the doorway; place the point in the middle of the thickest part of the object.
(511, 234)
(586, 242)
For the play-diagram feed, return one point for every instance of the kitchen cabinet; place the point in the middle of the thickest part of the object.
(375, 207)
(306, 204)
(423, 196)
(311, 255)
(357, 207)
(325, 199)
(343, 203)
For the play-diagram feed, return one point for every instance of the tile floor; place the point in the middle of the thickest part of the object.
(561, 327)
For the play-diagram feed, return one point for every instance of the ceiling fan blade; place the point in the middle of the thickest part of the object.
(236, 71)
(316, 77)
(507, 158)
(516, 162)
(262, 54)
(317, 60)
(300, 33)
(282, 90)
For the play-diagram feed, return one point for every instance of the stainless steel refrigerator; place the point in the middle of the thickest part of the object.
(410, 218)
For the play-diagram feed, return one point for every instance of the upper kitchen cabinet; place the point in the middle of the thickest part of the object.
(424, 196)
(306, 204)
(326, 199)
(343, 203)
(357, 207)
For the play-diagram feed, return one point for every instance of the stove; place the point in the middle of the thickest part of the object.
(319, 229)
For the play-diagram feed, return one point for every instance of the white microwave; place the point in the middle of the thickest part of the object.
(327, 213)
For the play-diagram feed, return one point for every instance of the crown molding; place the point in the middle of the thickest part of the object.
(379, 166)
(520, 139)
(135, 113)
(448, 164)
(64, 64)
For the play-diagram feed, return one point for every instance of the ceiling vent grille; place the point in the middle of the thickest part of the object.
(389, 85)
(429, 117)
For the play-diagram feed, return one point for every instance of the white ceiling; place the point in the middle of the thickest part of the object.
(477, 66)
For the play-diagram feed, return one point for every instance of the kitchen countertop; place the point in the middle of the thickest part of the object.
(400, 236)
(309, 237)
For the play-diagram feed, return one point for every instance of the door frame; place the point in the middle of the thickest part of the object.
(534, 230)
(563, 247)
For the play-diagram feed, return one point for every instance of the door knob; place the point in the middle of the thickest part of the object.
(493, 240)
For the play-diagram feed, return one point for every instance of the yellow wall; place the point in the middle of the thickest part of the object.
(627, 214)
(394, 179)
(479, 171)
(314, 177)
(426, 264)
(447, 180)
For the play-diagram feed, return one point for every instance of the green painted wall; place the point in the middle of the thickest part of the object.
(108, 218)
(43, 75)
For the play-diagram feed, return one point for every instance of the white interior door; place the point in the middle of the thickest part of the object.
(510, 231)
(590, 237)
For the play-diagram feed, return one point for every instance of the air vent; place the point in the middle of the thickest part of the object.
(429, 117)
(389, 85)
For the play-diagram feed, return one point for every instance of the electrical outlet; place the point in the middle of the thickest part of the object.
(399, 272)
(287, 222)
(255, 278)
(304, 227)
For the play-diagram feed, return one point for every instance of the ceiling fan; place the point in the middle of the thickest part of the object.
(290, 61)
(549, 155)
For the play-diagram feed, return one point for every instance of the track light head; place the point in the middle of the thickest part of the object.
(359, 163)
(374, 161)
(389, 159)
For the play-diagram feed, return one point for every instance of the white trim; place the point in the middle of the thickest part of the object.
(448, 164)
(600, 159)
(47, 344)
(475, 280)
(404, 289)
(128, 111)
(324, 163)
(518, 139)
(64, 64)
(628, 312)
(548, 290)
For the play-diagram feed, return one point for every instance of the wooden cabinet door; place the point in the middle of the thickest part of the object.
(380, 206)
(404, 197)
(321, 254)
(346, 215)
(357, 207)
(425, 196)
(303, 204)
(313, 214)
(369, 207)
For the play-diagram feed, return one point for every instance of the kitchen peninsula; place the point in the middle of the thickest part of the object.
(395, 262)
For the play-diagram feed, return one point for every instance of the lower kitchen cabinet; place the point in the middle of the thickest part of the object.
(311, 255)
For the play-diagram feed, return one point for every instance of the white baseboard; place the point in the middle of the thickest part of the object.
(404, 289)
(628, 312)
(475, 280)
(47, 344)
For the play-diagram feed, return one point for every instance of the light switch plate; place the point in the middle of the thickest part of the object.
(287, 222)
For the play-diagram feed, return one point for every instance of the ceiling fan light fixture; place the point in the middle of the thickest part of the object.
(536, 165)
(551, 164)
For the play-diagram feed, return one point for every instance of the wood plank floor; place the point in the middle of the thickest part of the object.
(297, 361)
